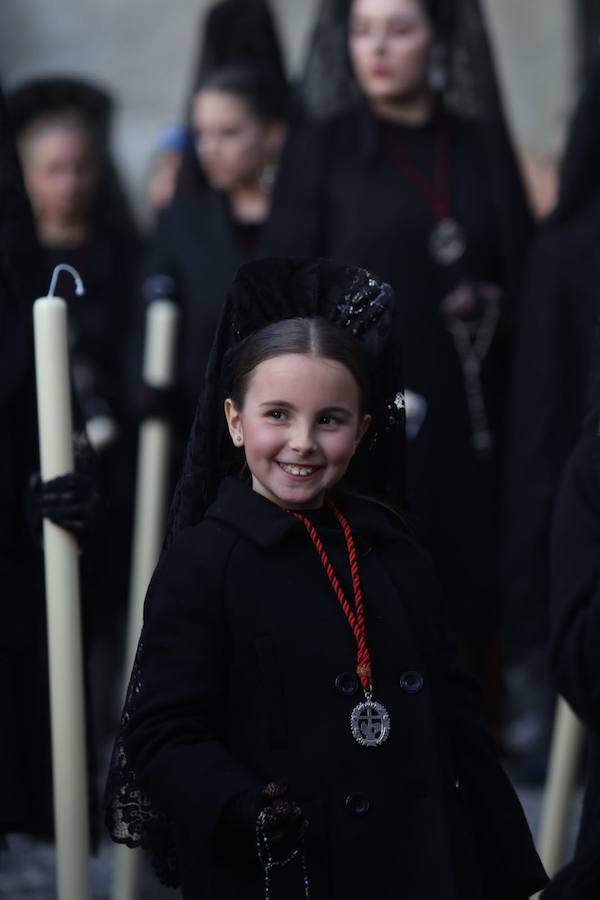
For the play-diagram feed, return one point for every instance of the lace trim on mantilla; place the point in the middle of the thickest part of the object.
(131, 817)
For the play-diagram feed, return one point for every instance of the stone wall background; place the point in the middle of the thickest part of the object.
(142, 51)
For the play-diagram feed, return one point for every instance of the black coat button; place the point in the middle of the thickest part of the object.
(411, 682)
(358, 804)
(346, 684)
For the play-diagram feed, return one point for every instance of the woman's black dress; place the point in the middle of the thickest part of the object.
(345, 196)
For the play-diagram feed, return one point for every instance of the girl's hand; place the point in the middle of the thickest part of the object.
(284, 820)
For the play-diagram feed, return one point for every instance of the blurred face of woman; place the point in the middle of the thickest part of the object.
(232, 143)
(390, 45)
(60, 172)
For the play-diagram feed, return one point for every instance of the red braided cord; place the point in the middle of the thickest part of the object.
(438, 194)
(355, 619)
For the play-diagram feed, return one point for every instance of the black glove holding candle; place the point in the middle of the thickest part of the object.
(70, 501)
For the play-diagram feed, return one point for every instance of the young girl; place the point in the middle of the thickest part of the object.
(296, 724)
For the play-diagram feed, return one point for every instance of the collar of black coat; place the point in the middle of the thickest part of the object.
(265, 524)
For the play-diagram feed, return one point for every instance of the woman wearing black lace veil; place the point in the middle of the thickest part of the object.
(220, 217)
(25, 769)
(82, 218)
(70, 501)
(408, 170)
(244, 739)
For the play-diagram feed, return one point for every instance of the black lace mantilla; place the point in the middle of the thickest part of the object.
(131, 817)
(466, 78)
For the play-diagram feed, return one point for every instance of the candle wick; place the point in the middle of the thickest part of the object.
(63, 267)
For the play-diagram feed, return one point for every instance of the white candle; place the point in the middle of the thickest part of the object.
(150, 516)
(565, 755)
(153, 465)
(63, 608)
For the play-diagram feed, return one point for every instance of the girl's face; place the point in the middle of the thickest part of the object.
(60, 173)
(300, 425)
(232, 143)
(390, 45)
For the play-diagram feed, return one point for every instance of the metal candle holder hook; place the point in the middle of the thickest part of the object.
(63, 267)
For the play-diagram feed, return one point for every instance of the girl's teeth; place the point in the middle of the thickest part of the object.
(297, 470)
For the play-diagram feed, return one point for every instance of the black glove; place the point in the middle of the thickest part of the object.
(70, 501)
(283, 820)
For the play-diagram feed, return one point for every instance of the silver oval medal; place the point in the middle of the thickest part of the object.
(370, 723)
(447, 242)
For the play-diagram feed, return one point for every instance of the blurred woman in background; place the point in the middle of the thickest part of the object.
(70, 501)
(82, 219)
(219, 217)
(412, 175)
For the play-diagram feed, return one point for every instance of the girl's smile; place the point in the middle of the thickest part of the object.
(299, 471)
(300, 424)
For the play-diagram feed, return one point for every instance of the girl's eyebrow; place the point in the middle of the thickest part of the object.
(278, 403)
(288, 405)
(335, 409)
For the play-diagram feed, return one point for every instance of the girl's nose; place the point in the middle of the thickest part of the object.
(302, 441)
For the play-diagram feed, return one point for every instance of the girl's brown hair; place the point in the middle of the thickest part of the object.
(308, 336)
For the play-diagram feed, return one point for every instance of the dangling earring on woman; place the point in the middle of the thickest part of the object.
(438, 69)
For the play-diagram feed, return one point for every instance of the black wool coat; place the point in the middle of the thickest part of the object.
(574, 641)
(243, 645)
